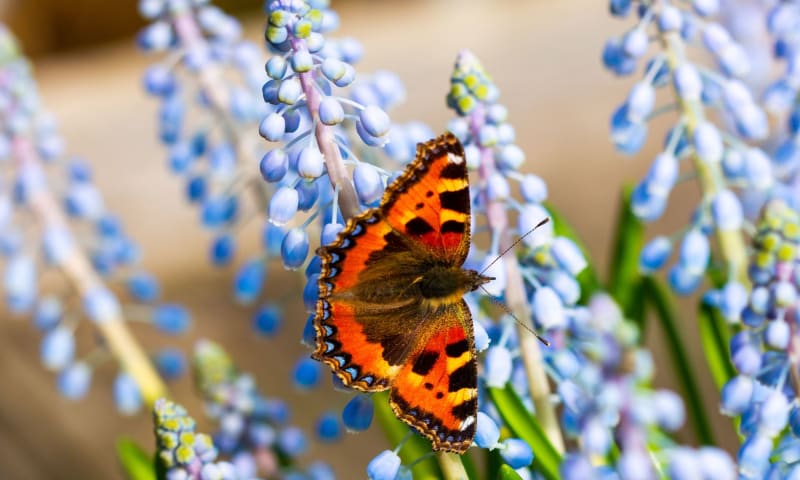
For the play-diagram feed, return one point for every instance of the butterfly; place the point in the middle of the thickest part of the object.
(390, 313)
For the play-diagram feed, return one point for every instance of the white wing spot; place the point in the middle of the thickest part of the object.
(457, 159)
(466, 423)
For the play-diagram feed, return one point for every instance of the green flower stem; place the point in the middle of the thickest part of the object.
(452, 466)
(527, 427)
(709, 174)
(508, 473)
(116, 335)
(659, 298)
(715, 335)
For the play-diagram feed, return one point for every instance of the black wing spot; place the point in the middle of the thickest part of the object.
(419, 205)
(418, 226)
(394, 244)
(453, 226)
(456, 349)
(424, 362)
(439, 395)
(428, 386)
(465, 409)
(457, 200)
(454, 171)
(462, 377)
(394, 349)
(429, 194)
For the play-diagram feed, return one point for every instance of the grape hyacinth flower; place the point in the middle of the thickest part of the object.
(764, 391)
(489, 147)
(77, 236)
(181, 451)
(210, 73)
(780, 99)
(320, 114)
(719, 157)
(253, 430)
(592, 347)
(310, 77)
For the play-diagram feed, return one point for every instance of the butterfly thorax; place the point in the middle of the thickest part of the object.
(444, 284)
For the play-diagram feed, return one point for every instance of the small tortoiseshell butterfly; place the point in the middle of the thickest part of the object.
(390, 313)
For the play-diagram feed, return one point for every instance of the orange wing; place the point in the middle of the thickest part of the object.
(436, 391)
(430, 201)
(370, 327)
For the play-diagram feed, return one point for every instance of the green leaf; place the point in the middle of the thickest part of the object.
(636, 309)
(493, 463)
(507, 473)
(524, 425)
(624, 276)
(715, 336)
(588, 278)
(414, 447)
(135, 461)
(660, 299)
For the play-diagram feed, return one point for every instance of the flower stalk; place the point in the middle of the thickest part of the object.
(109, 321)
(709, 174)
(529, 347)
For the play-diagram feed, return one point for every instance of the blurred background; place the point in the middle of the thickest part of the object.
(543, 55)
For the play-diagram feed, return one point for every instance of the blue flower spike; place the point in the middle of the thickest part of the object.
(249, 423)
(180, 449)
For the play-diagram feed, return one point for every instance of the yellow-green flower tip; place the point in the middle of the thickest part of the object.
(184, 454)
(279, 18)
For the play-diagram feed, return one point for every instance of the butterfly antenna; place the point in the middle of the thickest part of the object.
(514, 244)
(508, 311)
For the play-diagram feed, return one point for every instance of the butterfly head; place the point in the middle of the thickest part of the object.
(475, 279)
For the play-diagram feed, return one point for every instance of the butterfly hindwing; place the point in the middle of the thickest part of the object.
(430, 201)
(436, 390)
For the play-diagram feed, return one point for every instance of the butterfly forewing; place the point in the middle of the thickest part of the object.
(430, 201)
(343, 339)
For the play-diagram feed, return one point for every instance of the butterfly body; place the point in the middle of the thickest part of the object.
(390, 313)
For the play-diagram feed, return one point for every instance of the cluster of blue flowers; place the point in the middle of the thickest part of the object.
(720, 160)
(254, 431)
(208, 85)
(595, 360)
(763, 392)
(83, 240)
(758, 290)
(181, 452)
(780, 99)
